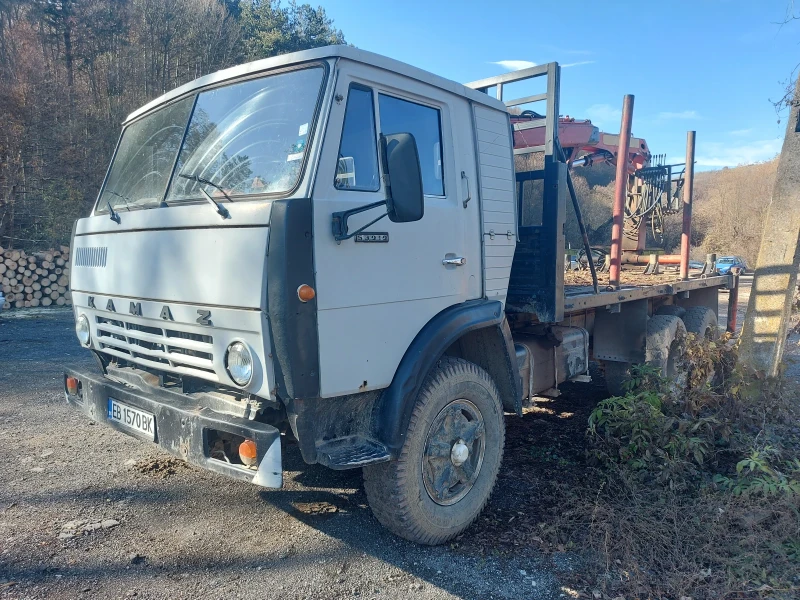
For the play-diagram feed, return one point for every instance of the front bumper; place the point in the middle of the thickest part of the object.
(182, 426)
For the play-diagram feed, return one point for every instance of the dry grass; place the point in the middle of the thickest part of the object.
(652, 542)
(661, 521)
(724, 522)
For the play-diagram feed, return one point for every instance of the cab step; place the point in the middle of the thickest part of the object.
(351, 452)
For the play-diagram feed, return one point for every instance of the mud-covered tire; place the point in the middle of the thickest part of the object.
(671, 309)
(666, 345)
(616, 374)
(702, 321)
(396, 490)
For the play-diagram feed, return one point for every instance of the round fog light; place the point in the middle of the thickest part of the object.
(82, 330)
(239, 363)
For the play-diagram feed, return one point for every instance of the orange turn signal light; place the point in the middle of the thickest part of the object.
(306, 293)
(72, 385)
(247, 453)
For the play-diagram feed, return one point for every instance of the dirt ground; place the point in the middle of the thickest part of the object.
(88, 512)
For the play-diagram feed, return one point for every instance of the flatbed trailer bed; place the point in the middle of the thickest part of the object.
(581, 297)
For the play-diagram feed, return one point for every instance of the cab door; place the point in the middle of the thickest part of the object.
(377, 290)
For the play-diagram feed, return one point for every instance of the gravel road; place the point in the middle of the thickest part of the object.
(139, 524)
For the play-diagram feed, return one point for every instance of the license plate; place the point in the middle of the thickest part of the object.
(138, 420)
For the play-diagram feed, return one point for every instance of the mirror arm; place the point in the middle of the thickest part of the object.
(339, 222)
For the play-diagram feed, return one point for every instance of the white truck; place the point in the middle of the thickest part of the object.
(336, 246)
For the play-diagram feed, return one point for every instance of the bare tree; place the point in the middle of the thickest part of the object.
(72, 69)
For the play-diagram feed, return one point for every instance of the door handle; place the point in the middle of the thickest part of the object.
(469, 194)
(457, 261)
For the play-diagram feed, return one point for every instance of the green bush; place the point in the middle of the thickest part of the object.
(650, 433)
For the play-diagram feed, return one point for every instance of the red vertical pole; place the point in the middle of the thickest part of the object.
(688, 186)
(621, 190)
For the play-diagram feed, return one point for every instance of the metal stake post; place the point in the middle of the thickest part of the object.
(621, 190)
(688, 187)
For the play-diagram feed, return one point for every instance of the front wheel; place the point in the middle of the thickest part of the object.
(450, 459)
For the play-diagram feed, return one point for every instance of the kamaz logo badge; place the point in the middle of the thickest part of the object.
(135, 308)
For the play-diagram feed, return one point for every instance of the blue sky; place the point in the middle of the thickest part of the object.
(708, 65)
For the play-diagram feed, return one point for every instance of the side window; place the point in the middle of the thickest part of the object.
(357, 168)
(423, 122)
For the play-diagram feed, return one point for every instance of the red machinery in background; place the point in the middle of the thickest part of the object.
(583, 142)
(653, 188)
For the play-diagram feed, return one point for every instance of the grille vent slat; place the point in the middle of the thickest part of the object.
(175, 350)
(91, 256)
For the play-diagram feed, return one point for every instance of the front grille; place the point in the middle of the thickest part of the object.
(167, 349)
(186, 335)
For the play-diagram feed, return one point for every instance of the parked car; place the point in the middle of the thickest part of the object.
(726, 263)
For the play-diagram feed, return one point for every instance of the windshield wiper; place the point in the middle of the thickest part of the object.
(112, 214)
(124, 198)
(223, 212)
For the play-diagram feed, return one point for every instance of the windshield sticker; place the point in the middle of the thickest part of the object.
(295, 156)
(303, 129)
(299, 145)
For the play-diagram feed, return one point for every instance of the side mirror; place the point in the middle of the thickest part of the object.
(404, 198)
(403, 181)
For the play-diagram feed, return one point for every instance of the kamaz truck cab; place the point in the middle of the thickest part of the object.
(320, 245)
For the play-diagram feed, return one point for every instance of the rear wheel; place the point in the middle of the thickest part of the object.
(666, 346)
(450, 459)
(702, 321)
(671, 309)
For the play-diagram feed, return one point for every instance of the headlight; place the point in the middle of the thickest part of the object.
(239, 363)
(82, 330)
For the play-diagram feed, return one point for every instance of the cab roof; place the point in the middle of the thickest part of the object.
(326, 52)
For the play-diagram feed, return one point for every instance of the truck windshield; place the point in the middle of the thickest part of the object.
(248, 138)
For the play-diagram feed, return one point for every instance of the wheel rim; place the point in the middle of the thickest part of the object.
(454, 450)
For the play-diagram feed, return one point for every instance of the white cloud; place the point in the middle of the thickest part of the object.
(604, 115)
(515, 65)
(686, 114)
(740, 132)
(716, 154)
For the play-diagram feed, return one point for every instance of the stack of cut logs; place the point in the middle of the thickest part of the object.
(37, 279)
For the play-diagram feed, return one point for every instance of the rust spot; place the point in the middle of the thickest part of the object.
(363, 386)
